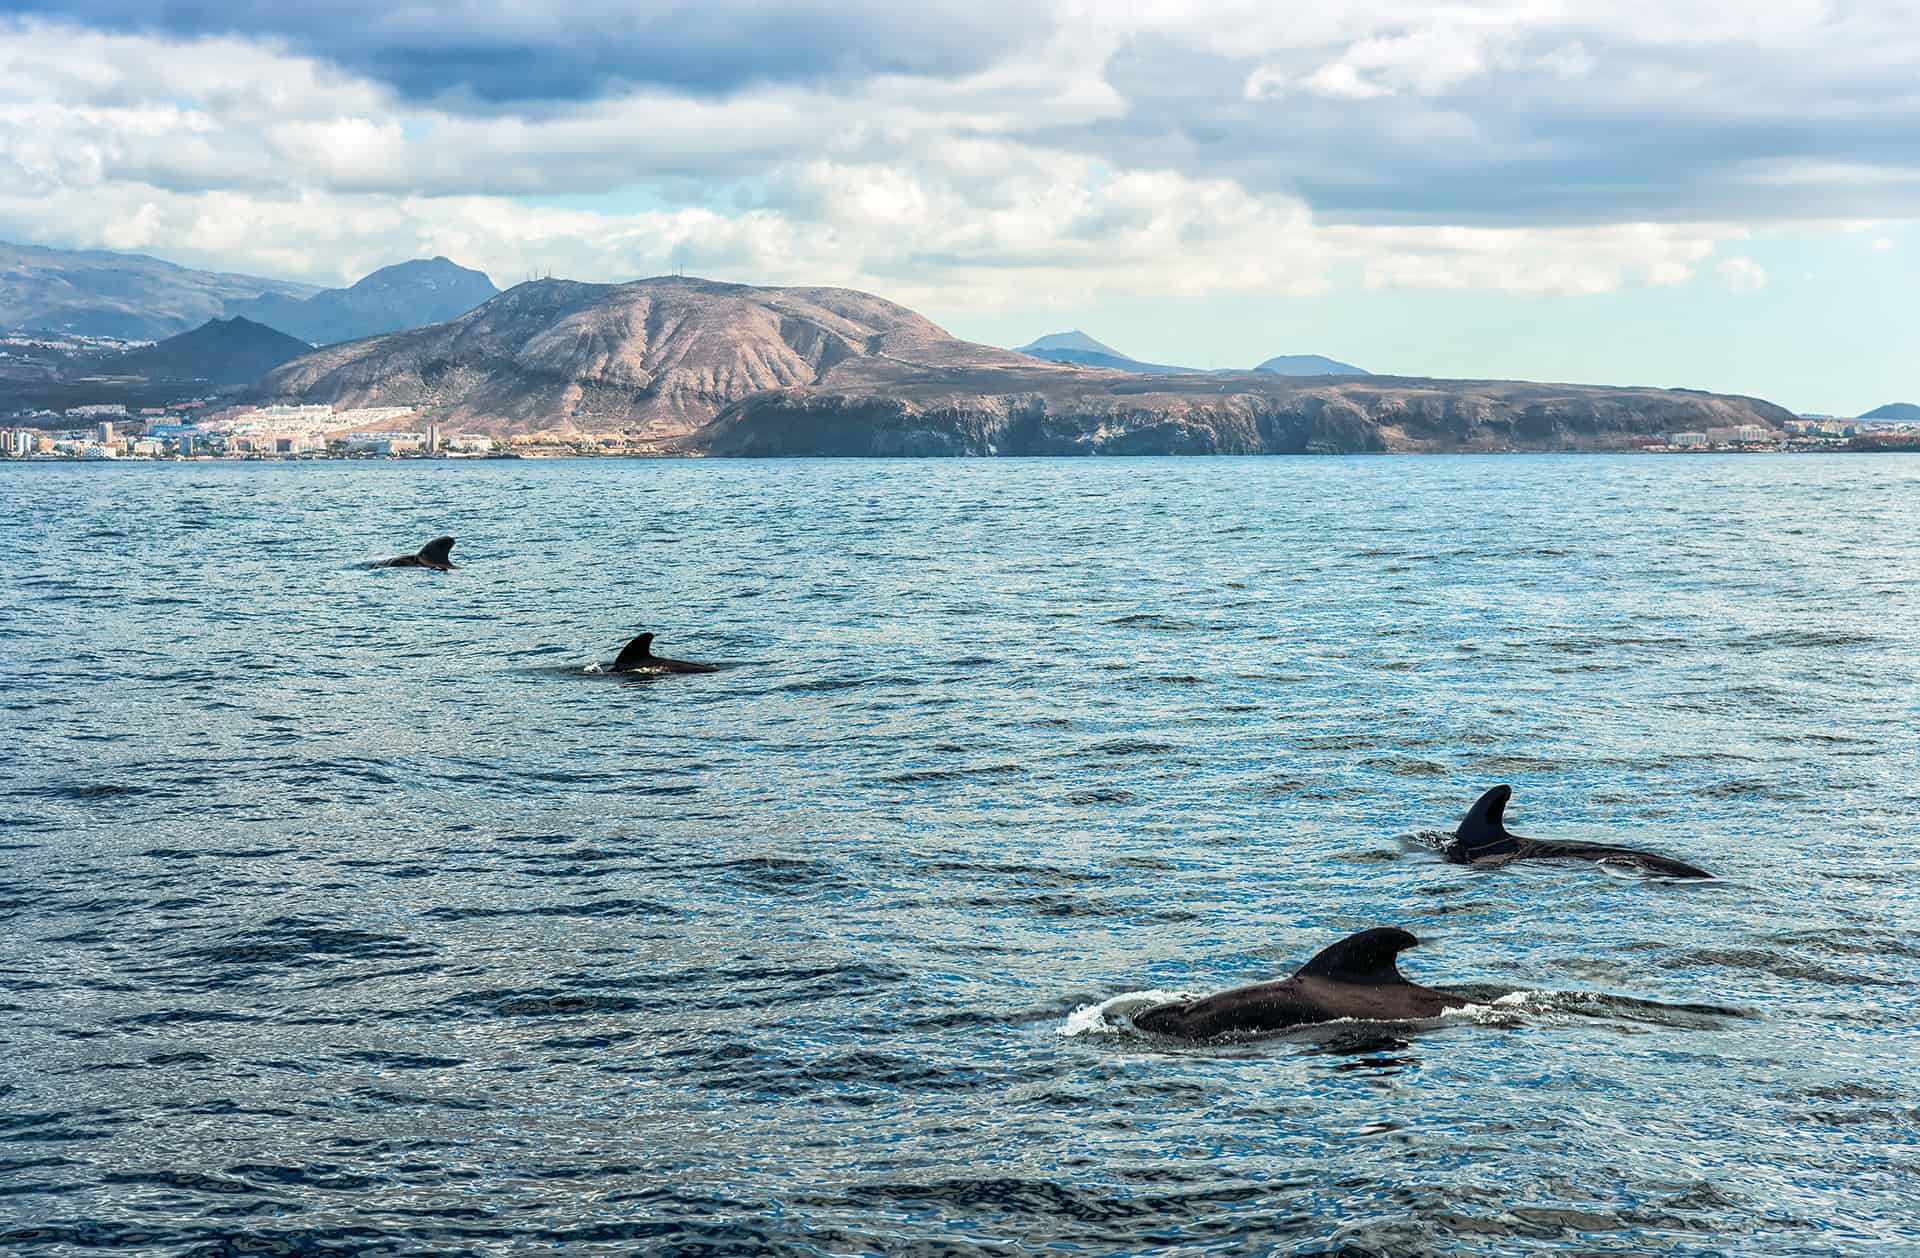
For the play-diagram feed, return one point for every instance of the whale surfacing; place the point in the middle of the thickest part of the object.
(435, 555)
(638, 657)
(1482, 838)
(1355, 978)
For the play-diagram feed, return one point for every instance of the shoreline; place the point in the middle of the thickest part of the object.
(581, 456)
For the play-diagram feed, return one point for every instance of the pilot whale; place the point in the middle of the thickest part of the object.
(433, 555)
(1482, 839)
(638, 657)
(1355, 978)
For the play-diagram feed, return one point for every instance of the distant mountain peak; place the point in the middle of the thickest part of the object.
(1906, 412)
(1079, 349)
(1310, 365)
(219, 351)
(1075, 340)
(409, 294)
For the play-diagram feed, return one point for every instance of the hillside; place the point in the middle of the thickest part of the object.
(729, 369)
(407, 295)
(659, 357)
(218, 352)
(1904, 412)
(125, 295)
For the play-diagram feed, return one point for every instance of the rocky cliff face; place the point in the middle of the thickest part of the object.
(1235, 415)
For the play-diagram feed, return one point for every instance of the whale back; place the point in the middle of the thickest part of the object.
(437, 552)
(1355, 978)
(635, 654)
(1483, 831)
(1366, 958)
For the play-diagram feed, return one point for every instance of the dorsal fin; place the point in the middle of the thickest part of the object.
(1485, 822)
(437, 550)
(1363, 958)
(635, 653)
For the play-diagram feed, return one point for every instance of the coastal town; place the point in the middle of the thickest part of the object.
(205, 430)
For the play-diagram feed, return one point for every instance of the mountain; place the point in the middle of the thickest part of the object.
(1031, 413)
(709, 368)
(1074, 342)
(1310, 365)
(407, 295)
(659, 357)
(219, 352)
(127, 295)
(1078, 348)
(1906, 412)
(1081, 350)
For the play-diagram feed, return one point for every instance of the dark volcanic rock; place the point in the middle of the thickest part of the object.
(219, 352)
(1242, 414)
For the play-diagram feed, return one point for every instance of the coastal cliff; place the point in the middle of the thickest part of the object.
(1239, 416)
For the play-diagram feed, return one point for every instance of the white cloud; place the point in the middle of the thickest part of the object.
(1579, 260)
(1533, 146)
(1742, 274)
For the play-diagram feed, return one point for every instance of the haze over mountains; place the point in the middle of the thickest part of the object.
(126, 295)
(134, 297)
(406, 295)
(705, 367)
(1079, 348)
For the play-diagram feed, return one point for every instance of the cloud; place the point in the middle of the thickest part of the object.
(499, 51)
(1742, 274)
(1052, 152)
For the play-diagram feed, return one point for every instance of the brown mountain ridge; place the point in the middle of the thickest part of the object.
(710, 368)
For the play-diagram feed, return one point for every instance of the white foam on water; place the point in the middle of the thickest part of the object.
(1114, 1016)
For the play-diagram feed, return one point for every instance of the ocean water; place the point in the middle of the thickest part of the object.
(350, 911)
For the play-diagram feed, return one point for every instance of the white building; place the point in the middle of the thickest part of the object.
(386, 442)
(1742, 435)
(469, 443)
(289, 414)
(1688, 440)
(276, 443)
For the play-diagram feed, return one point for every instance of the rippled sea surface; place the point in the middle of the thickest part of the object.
(350, 911)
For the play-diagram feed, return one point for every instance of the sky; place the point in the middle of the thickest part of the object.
(1664, 192)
